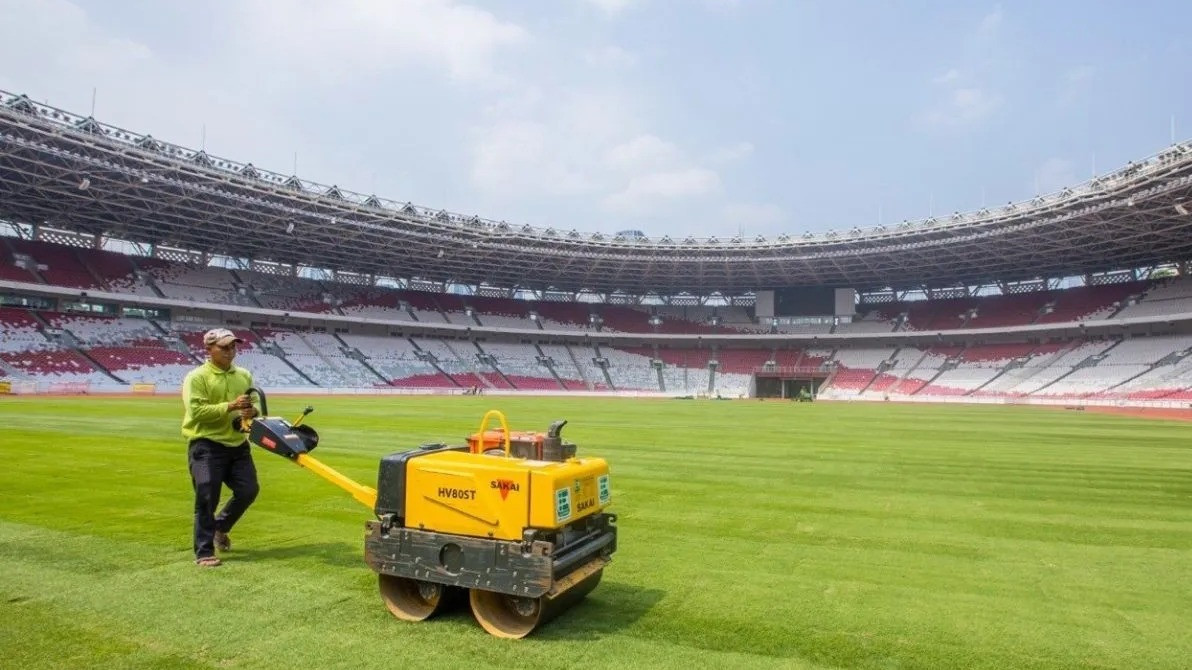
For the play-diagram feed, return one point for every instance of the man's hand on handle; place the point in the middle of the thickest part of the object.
(241, 403)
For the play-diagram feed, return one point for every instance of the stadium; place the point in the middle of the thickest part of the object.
(952, 505)
(488, 305)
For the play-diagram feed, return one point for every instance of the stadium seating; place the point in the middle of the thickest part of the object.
(572, 375)
(521, 362)
(631, 370)
(584, 358)
(1168, 297)
(1089, 302)
(110, 351)
(741, 361)
(21, 331)
(871, 321)
(1000, 311)
(154, 365)
(376, 306)
(393, 357)
(63, 366)
(321, 358)
(563, 315)
(57, 265)
(856, 368)
(1121, 362)
(281, 292)
(105, 330)
(209, 284)
(8, 265)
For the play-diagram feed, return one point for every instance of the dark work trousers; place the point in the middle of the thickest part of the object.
(211, 466)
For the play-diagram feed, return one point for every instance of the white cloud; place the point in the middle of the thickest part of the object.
(611, 7)
(949, 77)
(356, 38)
(586, 143)
(991, 23)
(963, 107)
(643, 152)
(731, 154)
(265, 79)
(548, 143)
(610, 56)
(260, 80)
(722, 5)
(968, 97)
(1075, 84)
(522, 157)
(54, 35)
(647, 191)
(64, 54)
(752, 216)
(1054, 174)
(1079, 75)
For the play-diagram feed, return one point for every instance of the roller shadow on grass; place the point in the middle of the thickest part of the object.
(338, 554)
(611, 608)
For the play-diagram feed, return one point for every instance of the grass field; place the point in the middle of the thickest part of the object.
(752, 535)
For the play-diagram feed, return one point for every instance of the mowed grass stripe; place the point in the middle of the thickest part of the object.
(752, 535)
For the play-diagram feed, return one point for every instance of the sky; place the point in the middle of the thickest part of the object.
(674, 117)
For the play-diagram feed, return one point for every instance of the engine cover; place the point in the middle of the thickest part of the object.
(500, 498)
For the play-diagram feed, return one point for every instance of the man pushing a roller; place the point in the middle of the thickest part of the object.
(213, 395)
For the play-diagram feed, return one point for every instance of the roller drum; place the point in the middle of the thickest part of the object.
(414, 599)
(515, 617)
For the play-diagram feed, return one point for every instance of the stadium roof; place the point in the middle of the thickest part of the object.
(74, 173)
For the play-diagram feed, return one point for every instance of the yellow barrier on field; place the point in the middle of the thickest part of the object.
(5, 388)
(144, 389)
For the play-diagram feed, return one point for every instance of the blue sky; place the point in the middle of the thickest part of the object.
(696, 117)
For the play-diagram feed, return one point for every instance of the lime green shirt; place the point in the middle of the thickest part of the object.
(206, 392)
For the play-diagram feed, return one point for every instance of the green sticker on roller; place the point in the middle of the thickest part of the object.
(602, 484)
(562, 504)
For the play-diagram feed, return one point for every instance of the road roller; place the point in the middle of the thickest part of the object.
(514, 523)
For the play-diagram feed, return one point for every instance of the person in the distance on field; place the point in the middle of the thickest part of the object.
(214, 394)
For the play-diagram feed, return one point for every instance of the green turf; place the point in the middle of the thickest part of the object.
(753, 535)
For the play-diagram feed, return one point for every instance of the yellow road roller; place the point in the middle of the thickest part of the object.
(517, 520)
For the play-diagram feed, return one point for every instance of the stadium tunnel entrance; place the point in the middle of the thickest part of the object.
(792, 384)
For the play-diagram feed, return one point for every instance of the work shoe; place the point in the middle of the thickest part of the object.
(222, 541)
(208, 562)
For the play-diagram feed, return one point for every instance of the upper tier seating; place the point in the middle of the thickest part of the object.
(1172, 296)
(58, 265)
(287, 293)
(1086, 303)
(209, 284)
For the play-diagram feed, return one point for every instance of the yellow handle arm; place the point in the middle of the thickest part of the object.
(484, 424)
(365, 495)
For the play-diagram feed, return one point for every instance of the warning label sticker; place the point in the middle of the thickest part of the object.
(562, 504)
(602, 485)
